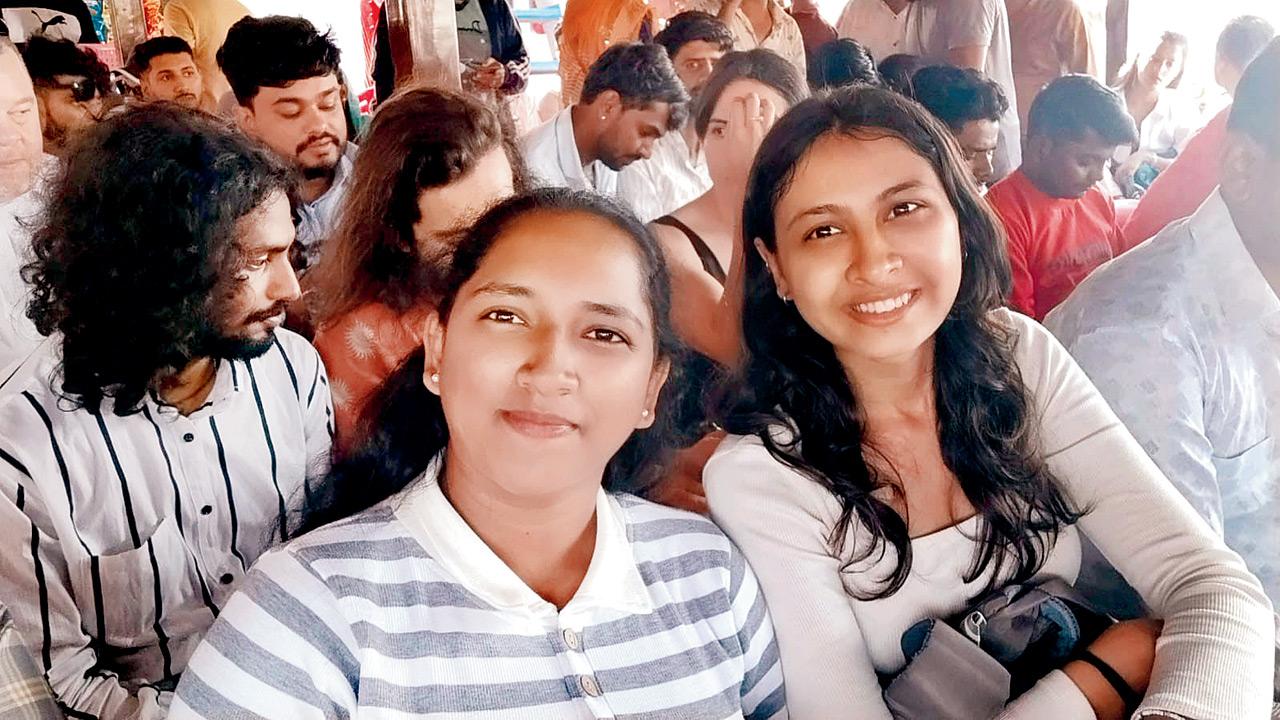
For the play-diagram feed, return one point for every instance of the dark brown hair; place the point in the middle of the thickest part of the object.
(422, 138)
(763, 66)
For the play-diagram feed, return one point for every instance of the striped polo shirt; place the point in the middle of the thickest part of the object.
(125, 535)
(403, 612)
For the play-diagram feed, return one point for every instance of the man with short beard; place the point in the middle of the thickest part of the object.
(160, 438)
(285, 77)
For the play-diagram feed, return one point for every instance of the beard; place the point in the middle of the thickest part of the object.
(217, 342)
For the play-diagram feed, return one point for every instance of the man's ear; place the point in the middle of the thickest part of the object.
(246, 120)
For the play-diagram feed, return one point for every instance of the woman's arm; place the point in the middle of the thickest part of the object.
(1215, 653)
(780, 520)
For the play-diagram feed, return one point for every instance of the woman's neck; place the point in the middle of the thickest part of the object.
(893, 387)
(547, 541)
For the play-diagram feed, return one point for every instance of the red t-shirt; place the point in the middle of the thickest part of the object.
(1183, 186)
(1054, 243)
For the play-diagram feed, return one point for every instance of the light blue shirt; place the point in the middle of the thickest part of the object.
(1182, 336)
(316, 219)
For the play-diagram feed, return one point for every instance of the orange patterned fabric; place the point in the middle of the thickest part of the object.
(360, 349)
(589, 28)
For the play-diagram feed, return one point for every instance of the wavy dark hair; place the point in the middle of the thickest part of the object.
(138, 243)
(403, 426)
(791, 377)
(420, 139)
(275, 51)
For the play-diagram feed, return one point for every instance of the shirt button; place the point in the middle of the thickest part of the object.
(226, 579)
(206, 510)
(572, 639)
(589, 686)
(188, 437)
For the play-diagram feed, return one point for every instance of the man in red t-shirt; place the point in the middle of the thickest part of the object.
(1061, 224)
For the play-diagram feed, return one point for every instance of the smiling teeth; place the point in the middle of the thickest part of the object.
(880, 307)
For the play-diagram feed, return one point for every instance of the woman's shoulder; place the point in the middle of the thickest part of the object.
(369, 329)
(365, 539)
(650, 522)
(744, 476)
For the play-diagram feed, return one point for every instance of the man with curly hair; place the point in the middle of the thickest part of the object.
(286, 80)
(159, 439)
(70, 83)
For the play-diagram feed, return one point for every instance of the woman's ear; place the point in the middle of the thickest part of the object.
(771, 262)
(433, 347)
(657, 379)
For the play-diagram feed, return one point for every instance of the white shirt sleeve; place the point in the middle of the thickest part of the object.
(780, 520)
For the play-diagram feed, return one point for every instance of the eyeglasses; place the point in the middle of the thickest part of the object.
(82, 89)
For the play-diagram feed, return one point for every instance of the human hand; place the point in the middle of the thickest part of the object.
(1129, 647)
(1127, 169)
(491, 74)
(682, 488)
(749, 120)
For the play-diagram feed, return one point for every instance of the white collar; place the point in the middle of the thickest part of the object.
(612, 581)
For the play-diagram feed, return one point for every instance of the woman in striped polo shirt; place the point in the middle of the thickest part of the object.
(493, 564)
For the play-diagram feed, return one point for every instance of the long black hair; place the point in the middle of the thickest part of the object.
(403, 426)
(791, 377)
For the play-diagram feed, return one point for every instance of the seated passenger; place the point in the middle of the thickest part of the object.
(167, 70)
(1061, 224)
(382, 269)
(1179, 336)
(970, 104)
(902, 444)
(151, 446)
(630, 99)
(492, 562)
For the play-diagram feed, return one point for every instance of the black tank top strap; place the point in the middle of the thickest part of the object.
(710, 263)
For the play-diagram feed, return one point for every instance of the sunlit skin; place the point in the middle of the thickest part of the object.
(20, 137)
(545, 367)
(173, 77)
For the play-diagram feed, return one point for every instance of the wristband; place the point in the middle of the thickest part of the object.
(1127, 694)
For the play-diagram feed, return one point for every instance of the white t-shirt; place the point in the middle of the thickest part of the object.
(1214, 659)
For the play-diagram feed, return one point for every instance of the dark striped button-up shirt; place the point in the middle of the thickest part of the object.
(124, 535)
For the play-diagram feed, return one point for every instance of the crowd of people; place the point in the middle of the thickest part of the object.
(730, 391)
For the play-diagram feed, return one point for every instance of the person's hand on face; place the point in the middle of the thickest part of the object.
(491, 74)
(749, 121)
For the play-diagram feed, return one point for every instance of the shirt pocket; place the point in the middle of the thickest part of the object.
(121, 591)
(1245, 479)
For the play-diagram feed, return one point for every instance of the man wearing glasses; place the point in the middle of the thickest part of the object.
(70, 84)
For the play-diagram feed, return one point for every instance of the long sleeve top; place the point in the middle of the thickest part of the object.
(1214, 657)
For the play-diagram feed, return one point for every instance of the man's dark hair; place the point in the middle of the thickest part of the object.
(691, 26)
(137, 248)
(1073, 104)
(842, 62)
(896, 71)
(145, 52)
(642, 75)
(958, 96)
(1243, 38)
(274, 51)
(46, 58)
(1256, 109)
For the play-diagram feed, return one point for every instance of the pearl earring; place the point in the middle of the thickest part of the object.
(435, 377)
(644, 414)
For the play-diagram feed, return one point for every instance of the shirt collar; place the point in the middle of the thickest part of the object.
(1243, 292)
(602, 179)
(612, 581)
(346, 162)
(226, 385)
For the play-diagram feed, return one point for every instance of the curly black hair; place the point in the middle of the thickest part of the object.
(46, 58)
(138, 242)
(274, 51)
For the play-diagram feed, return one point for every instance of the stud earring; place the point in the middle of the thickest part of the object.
(644, 414)
(435, 377)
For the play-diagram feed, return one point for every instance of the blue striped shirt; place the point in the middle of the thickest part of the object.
(403, 612)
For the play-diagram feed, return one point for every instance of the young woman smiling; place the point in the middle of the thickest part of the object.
(493, 563)
(902, 444)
